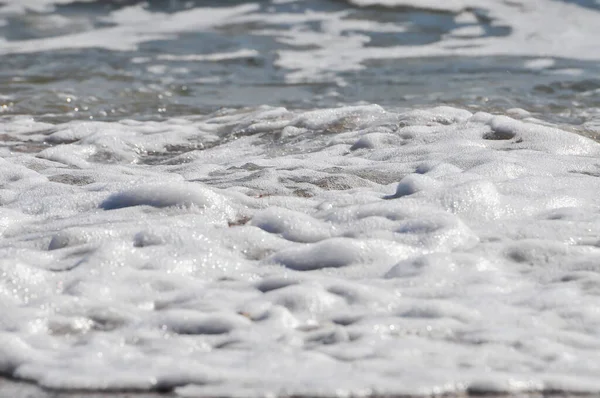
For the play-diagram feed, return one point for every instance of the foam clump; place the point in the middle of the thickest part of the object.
(191, 322)
(330, 253)
(414, 183)
(14, 352)
(540, 138)
(352, 116)
(439, 115)
(338, 252)
(261, 251)
(477, 198)
(373, 140)
(164, 195)
(294, 226)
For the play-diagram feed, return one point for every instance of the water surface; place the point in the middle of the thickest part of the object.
(109, 60)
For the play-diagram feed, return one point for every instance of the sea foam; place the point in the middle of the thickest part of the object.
(265, 251)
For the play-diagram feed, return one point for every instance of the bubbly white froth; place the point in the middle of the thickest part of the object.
(337, 251)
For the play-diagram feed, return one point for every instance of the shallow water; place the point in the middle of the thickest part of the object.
(201, 198)
(114, 60)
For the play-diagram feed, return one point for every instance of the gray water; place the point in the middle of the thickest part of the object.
(97, 83)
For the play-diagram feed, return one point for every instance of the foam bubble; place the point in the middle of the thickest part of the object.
(164, 195)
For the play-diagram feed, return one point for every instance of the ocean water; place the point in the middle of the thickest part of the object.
(300, 198)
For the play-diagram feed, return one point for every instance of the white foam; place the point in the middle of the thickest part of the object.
(538, 29)
(133, 25)
(12, 6)
(215, 57)
(362, 252)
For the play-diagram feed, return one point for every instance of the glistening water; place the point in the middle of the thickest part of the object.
(109, 60)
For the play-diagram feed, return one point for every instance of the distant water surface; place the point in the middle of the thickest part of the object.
(109, 60)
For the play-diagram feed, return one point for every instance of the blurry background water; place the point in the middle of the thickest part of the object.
(107, 60)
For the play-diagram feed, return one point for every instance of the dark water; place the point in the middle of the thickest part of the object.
(156, 81)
